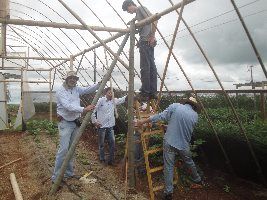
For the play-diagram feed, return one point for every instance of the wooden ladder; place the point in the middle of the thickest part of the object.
(146, 132)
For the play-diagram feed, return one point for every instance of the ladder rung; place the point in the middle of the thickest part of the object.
(156, 169)
(146, 133)
(153, 151)
(145, 115)
(161, 187)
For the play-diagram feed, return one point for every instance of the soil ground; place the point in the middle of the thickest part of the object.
(37, 155)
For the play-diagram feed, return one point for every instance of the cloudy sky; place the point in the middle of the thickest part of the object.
(214, 23)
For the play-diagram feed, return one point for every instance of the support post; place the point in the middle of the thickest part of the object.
(50, 97)
(131, 144)
(262, 98)
(71, 62)
(86, 120)
(94, 64)
(23, 124)
(170, 52)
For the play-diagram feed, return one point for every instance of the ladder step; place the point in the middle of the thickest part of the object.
(153, 151)
(156, 169)
(146, 115)
(161, 187)
(146, 133)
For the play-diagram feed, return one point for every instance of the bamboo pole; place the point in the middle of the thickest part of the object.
(238, 121)
(250, 38)
(60, 25)
(10, 163)
(93, 33)
(23, 125)
(19, 68)
(71, 62)
(33, 58)
(5, 105)
(131, 143)
(50, 97)
(170, 51)
(16, 81)
(86, 120)
(110, 39)
(156, 16)
(15, 186)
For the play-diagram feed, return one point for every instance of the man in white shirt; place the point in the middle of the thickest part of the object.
(69, 111)
(104, 120)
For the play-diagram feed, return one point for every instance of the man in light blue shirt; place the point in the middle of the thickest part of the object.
(69, 111)
(181, 119)
(104, 120)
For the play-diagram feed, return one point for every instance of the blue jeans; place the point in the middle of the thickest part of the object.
(169, 153)
(67, 131)
(148, 68)
(109, 134)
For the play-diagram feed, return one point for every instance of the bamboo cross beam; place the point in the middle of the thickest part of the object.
(59, 25)
(156, 16)
(110, 39)
(33, 58)
(94, 34)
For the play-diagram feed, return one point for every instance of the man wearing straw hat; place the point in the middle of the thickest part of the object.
(69, 112)
(181, 118)
(146, 45)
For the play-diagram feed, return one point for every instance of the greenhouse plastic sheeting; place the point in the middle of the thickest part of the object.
(28, 106)
(3, 106)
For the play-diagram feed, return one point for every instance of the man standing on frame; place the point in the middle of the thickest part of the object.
(147, 42)
(181, 118)
(68, 113)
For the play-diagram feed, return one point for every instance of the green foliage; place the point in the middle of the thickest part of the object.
(35, 127)
(225, 124)
(195, 145)
(226, 188)
(44, 107)
(120, 138)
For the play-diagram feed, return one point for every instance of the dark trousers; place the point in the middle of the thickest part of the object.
(148, 68)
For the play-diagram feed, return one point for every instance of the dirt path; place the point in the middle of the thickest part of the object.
(37, 155)
(34, 170)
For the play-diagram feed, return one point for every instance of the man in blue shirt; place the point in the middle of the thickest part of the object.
(181, 119)
(69, 111)
(104, 120)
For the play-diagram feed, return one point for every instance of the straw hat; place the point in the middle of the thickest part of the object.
(71, 73)
(193, 102)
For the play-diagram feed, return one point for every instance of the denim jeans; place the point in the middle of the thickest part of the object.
(67, 131)
(148, 68)
(107, 133)
(169, 153)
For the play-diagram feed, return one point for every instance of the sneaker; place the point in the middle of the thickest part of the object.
(198, 185)
(167, 196)
(110, 163)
